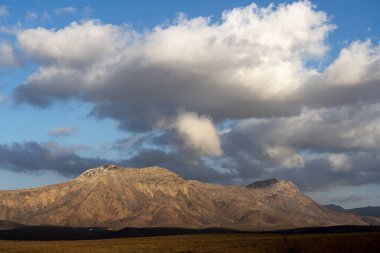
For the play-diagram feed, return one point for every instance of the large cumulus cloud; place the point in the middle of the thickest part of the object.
(318, 148)
(248, 64)
(238, 98)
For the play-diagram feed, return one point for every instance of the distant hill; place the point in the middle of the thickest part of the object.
(112, 197)
(369, 214)
(373, 211)
(335, 208)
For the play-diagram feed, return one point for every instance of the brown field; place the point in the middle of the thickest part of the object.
(366, 242)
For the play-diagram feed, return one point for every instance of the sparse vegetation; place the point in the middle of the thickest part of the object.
(366, 242)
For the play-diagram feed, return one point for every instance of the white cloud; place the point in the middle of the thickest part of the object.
(254, 58)
(3, 11)
(198, 133)
(355, 64)
(65, 10)
(339, 162)
(261, 49)
(285, 157)
(7, 56)
(76, 45)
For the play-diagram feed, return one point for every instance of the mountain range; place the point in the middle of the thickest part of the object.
(113, 197)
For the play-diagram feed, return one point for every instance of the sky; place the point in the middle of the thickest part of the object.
(228, 92)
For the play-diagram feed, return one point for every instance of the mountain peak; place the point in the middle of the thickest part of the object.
(263, 183)
(147, 173)
(99, 171)
(275, 185)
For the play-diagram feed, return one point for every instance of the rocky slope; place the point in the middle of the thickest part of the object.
(114, 197)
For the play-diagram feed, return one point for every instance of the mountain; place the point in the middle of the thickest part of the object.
(113, 197)
(369, 214)
(334, 207)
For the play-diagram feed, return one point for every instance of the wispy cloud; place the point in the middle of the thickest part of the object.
(87, 11)
(7, 55)
(4, 11)
(65, 10)
(62, 131)
(31, 16)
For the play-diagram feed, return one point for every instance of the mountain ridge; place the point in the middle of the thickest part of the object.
(116, 197)
(369, 214)
(373, 211)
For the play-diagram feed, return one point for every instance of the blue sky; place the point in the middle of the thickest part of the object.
(221, 91)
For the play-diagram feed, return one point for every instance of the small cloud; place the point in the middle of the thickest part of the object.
(2, 99)
(3, 11)
(131, 143)
(87, 11)
(45, 16)
(199, 134)
(340, 162)
(31, 16)
(7, 56)
(65, 10)
(71, 162)
(62, 131)
(285, 157)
